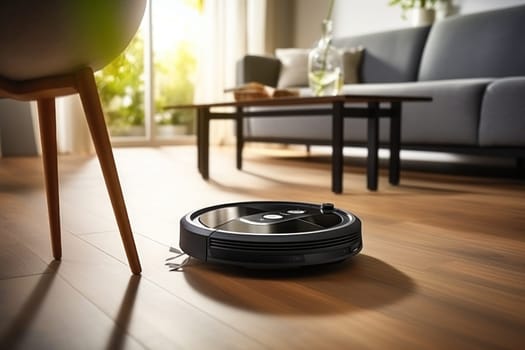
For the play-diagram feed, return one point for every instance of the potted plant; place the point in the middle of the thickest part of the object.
(422, 12)
(173, 123)
(121, 89)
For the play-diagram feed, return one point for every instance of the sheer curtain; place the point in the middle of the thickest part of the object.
(73, 135)
(231, 29)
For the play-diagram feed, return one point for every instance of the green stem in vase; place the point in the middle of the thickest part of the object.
(326, 22)
(330, 8)
(321, 74)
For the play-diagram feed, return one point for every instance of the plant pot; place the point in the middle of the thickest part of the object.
(129, 130)
(422, 17)
(171, 130)
(444, 8)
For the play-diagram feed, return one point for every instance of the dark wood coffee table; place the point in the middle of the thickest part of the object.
(339, 108)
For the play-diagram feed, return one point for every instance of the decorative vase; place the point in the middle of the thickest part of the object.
(422, 16)
(325, 65)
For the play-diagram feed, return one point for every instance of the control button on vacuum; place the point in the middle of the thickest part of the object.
(272, 216)
(326, 207)
(296, 211)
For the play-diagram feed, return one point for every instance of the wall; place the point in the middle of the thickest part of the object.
(17, 135)
(280, 24)
(309, 15)
(470, 6)
(353, 17)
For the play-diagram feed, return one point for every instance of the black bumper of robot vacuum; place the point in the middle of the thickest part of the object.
(271, 234)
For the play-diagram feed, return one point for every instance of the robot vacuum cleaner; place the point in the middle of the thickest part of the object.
(271, 234)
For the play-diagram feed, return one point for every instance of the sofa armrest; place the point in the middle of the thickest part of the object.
(502, 122)
(261, 69)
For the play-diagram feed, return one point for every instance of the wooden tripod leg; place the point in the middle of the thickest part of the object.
(86, 87)
(48, 137)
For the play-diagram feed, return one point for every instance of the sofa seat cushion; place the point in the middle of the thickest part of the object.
(502, 122)
(452, 118)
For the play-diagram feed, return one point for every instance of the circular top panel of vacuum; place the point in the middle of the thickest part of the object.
(271, 218)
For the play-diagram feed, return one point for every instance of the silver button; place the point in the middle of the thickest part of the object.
(296, 211)
(272, 216)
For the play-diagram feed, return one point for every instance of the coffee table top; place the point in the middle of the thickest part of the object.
(308, 100)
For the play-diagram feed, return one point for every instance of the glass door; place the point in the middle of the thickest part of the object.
(175, 27)
(157, 69)
(121, 89)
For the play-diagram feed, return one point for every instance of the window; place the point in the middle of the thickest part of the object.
(157, 69)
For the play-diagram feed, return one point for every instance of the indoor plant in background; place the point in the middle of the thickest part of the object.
(421, 12)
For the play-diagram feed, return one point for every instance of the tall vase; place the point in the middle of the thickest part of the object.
(325, 65)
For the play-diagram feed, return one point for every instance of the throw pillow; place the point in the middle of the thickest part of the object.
(294, 67)
(351, 64)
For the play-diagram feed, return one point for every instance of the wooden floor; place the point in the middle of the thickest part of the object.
(443, 264)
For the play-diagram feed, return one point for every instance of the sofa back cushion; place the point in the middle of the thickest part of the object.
(391, 56)
(485, 44)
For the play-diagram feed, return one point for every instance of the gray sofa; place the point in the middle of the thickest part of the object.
(473, 67)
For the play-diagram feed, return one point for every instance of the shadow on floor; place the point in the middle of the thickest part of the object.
(18, 328)
(362, 282)
(465, 165)
(21, 323)
(120, 330)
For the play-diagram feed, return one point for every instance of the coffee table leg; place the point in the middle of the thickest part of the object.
(337, 147)
(199, 139)
(373, 146)
(205, 142)
(240, 136)
(395, 143)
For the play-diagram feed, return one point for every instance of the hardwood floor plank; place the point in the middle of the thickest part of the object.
(15, 259)
(45, 312)
(157, 319)
(443, 262)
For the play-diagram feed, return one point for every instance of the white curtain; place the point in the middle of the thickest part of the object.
(73, 135)
(231, 29)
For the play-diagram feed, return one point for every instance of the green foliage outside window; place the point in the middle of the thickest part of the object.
(174, 84)
(121, 87)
